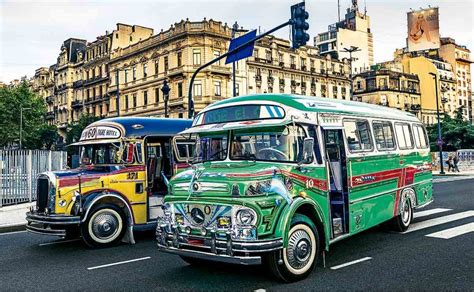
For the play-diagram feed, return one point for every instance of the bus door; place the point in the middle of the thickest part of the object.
(338, 189)
(158, 162)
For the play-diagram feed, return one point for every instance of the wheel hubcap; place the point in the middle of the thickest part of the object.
(299, 249)
(406, 212)
(104, 225)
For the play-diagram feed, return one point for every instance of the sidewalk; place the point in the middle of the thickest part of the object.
(462, 173)
(14, 217)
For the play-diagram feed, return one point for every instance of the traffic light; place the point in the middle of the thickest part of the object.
(299, 26)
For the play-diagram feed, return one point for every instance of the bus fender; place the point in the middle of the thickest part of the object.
(285, 222)
(95, 198)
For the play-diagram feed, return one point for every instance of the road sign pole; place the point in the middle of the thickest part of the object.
(190, 91)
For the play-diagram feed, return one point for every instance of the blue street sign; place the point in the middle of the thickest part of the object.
(246, 51)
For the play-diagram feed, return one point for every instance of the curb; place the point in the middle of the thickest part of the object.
(12, 228)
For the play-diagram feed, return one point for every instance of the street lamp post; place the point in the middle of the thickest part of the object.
(351, 50)
(439, 142)
(21, 122)
(166, 91)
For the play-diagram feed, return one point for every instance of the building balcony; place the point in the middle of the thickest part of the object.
(50, 99)
(293, 66)
(77, 84)
(76, 104)
(95, 80)
(293, 83)
(177, 71)
(222, 70)
(49, 115)
(415, 108)
(281, 64)
(258, 78)
(282, 82)
(270, 80)
(386, 88)
(303, 68)
(61, 87)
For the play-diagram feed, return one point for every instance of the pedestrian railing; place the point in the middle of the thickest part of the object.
(19, 170)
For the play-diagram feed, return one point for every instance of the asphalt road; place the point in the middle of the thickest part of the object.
(420, 259)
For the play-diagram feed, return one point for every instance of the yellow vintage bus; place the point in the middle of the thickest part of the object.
(120, 184)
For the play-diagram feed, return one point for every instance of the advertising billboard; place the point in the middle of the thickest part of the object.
(423, 29)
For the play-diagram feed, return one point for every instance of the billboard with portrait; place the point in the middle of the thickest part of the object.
(423, 29)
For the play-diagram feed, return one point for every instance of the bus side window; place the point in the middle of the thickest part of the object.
(420, 137)
(317, 150)
(404, 136)
(384, 137)
(358, 135)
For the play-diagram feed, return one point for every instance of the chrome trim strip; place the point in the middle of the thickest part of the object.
(251, 260)
(52, 219)
(385, 192)
(44, 231)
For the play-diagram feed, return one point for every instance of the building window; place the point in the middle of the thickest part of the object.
(126, 75)
(180, 89)
(216, 55)
(134, 101)
(157, 63)
(145, 98)
(268, 56)
(134, 73)
(126, 102)
(157, 95)
(280, 59)
(292, 60)
(197, 89)
(166, 63)
(197, 57)
(217, 88)
(145, 70)
(178, 59)
(255, 53)
(237, 89)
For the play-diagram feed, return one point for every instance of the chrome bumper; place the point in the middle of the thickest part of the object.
(219, 246)
(50, 224)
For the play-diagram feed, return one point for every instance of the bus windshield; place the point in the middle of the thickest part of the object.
(282, 144)
(110, 153)
(211, 148)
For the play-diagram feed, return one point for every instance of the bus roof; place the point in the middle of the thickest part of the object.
(321, 105)
(136, 127)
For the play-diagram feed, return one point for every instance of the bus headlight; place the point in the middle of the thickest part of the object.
(245, 217)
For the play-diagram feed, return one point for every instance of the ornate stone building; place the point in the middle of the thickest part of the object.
(171, 55)
(276, 68)
(42, 83)
(92, 94)
(389, 86)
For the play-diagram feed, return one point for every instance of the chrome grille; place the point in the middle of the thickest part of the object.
(42, 194)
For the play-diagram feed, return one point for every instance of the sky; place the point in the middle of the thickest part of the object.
(32, 32)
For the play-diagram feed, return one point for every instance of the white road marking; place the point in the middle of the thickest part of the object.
(453, 232)
(14, 232)
(350, 263)
(449, 179)
(119, 263)
(58, 242)
(429, 212)
(440, 220)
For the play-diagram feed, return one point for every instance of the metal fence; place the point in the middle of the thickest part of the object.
(19, 170)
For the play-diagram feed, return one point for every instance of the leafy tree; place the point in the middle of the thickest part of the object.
(455, 132)
(75, 130)
(36, 133)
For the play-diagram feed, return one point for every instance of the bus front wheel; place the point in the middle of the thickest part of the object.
(298, 259)
(402, 221)
(105, 226)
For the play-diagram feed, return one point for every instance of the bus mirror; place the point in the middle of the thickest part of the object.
(308, 145)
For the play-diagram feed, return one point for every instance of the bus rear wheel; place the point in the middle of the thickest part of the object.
(298, 259)
(402, 221)
(104, 227)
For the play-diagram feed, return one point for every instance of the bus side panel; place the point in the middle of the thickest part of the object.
(423, 179)
(375, 180)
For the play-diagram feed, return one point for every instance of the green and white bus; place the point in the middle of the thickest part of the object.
(277, 179)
